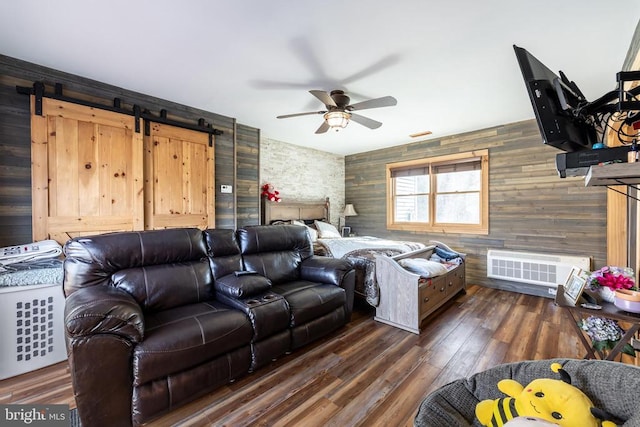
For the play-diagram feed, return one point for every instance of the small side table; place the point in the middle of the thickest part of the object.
(609, 311)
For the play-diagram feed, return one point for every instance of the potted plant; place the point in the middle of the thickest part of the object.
(604, 334)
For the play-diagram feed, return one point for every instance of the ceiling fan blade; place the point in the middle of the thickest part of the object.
(271, 84)
(385, 101)
(376, 67)
(286, 116)
(324, 127)
(365, 121)
(324, 97)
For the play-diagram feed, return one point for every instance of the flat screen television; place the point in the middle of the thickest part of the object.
(556, 103)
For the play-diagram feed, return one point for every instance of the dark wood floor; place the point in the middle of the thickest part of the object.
(366, 373)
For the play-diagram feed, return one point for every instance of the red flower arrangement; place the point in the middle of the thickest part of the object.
(612, 278)
(270, 193)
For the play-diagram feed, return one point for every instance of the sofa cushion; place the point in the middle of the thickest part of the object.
(186, 336)
(242, 284)
(275, 251)
(159, 287)
(325, 269)
(223, 251)
(275, 238)
(92, 259)
(278, 267)
(309, 300)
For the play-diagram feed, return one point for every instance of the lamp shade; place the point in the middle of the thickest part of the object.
(349, 210)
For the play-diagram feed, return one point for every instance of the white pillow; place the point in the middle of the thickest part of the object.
(313, 233)
(423, 267)
(327, 231)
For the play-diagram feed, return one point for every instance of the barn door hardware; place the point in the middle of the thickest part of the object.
(137, 113)
(162, 118)
(39, 91)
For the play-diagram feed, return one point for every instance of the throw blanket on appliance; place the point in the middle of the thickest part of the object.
(361, 251)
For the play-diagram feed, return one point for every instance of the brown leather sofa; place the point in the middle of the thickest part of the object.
(157, 318)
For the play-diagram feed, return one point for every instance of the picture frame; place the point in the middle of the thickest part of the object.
(574, 285)
(346, 231)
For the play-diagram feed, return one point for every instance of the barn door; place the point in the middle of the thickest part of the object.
(87, 173)
(179, 178)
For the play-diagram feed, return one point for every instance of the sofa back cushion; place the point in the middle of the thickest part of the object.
(163, 286)
(275, 251)
(224, 251)
(159, 268)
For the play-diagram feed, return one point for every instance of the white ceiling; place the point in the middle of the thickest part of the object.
(450, 64)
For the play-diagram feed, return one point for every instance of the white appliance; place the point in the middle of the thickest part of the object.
(31, 308)
(32, 332)
(534, 268)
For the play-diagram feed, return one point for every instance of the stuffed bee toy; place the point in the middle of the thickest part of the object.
(555, 401)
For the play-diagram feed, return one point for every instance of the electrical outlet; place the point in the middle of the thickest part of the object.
(552, 291)
(226, 188)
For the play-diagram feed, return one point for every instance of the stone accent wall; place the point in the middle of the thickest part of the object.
(301, 173)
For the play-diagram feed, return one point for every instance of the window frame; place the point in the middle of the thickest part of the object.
(431, 163)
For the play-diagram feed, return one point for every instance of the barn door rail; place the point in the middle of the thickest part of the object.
(162, 119)
(39, 91)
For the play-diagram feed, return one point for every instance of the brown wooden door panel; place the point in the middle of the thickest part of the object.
(179, 178)
(87, 171)
(63, 228)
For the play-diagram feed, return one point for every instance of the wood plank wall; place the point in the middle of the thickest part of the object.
(15, 166)
(530, 207)
(15, 150)
(247, 176)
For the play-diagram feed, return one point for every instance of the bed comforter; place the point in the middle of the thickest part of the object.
(361, 251)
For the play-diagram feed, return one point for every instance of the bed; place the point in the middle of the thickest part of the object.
(361, 250)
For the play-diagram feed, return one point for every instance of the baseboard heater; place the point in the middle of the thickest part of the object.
(534, 268)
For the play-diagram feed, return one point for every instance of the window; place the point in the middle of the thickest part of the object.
(446, 194)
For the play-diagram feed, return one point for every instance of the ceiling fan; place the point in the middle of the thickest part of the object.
(339, 112)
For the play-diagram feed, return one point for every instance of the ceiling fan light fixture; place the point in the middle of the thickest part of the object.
(338, 111)
(337, 119)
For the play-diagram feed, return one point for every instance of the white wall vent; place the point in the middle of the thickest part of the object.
(533, 268)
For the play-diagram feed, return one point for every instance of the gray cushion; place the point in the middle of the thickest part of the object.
(423, 267)
(612, 386)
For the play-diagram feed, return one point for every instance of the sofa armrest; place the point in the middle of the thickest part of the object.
(242, 285)
(102, 325)
(103, 310)
(325, 269)
(333, 271)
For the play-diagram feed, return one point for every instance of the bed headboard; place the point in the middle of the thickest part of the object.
(289, 210)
